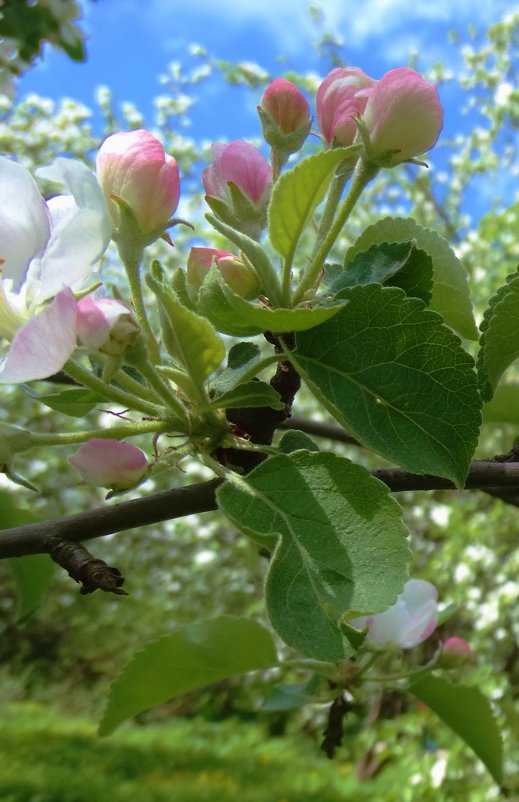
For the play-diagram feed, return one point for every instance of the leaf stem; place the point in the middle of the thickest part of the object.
(364, 172)
(116, 432)
(109, 392)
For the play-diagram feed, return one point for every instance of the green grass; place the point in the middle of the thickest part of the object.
(47, 758)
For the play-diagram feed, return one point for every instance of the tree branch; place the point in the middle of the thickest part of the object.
(494, 477)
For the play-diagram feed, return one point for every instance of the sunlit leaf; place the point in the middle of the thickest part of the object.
(341, 544)
(450, 293)
(468, 713)
(187, 659)
(397, 380)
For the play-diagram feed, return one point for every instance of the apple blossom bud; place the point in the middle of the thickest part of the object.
(285, 118)
(199, 263)
(236, 274)
(133, 166)
(402, 119)
(242, 164)
(110, 463)
(340, 98)
(286, 105)
(238, 185)
(456, 653)
(406, 623)
(106, 324)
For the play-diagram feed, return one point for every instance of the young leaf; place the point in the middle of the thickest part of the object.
(214, 305)
(281, 320)
(466, 711)
(248, 394)
(395, 264)
(397, 379)
(189, 658)
(76, 403)
(500, 336)
(341, 544)
(298, 192)
(189, 338)
(450, 294)
(255, 254)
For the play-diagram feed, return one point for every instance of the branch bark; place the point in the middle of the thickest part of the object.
(497, 478)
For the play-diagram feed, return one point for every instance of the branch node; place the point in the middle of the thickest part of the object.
(90, 572)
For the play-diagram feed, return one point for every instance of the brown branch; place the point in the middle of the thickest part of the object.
(493, 477)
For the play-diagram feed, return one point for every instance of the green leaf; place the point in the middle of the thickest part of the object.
(342, 545)
(504, 407)
(279, 321)
(190, 658)
(232, 314)
(189, 338)
(181, 288)
(255, 254)
(241, 359)
(214, 304)
(450, 294)
(31, 574)
(288, 697)
(397, 380)
(500, 336)
(298, 192)
(294, 440)
(75, 403)
(466, 711)
(395, 264)
(249, 394)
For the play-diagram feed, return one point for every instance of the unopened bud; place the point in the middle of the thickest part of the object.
(110, 463)
(106, 324)
(456, 653)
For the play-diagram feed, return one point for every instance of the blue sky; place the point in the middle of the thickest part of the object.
(131, 42)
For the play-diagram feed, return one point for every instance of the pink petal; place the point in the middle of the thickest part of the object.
(43, 345)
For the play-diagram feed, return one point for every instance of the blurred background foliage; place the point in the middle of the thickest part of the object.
(56, 667)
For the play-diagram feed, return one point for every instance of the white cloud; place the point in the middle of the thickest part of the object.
(393, 27)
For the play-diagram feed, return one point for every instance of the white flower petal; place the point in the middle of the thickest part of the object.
(43, 345)
(24, 220)
(81, 227)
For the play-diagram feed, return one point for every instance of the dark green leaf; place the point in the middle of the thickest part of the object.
(395, 264)
(397, 380)
(504, 407)
(342, 546)
(249, 394)
(450, 294)
(466, 711)
(189, 658)
(500, 336)
(31, 574)
(294, 440)
(288, 697)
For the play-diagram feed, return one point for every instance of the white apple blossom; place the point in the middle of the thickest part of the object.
(46, 250)
(409, 621)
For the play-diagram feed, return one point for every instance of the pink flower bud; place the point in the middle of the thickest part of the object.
(341, 97)
(199, 263)
(106, 324)
(237, 275)
(406, 623)
(134, 167)
(286, 105)
(403, 117)
(455, 653)
(110, 463)
(242, 164)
